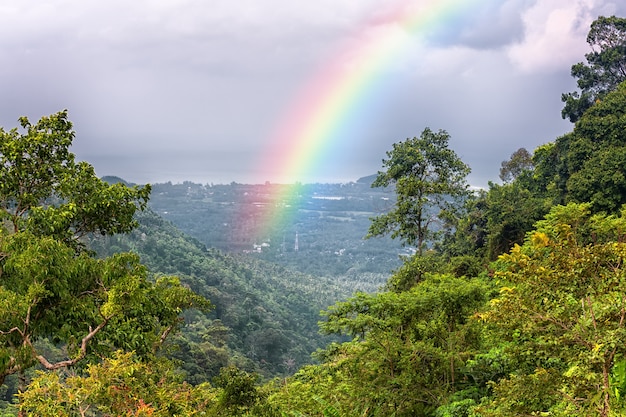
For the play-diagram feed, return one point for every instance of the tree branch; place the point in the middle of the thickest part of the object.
(83, 349)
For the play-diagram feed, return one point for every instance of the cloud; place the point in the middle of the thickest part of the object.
(155, 81)
(555, 33)
(496, 24)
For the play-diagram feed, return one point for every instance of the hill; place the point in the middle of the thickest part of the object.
(265, 316)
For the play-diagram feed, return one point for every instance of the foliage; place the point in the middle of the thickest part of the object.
(52, 287)
(428, 176)
(265, 316)
(605, 68)
(45, 191)
(597, 154)
(520, 162)
(83, 303)
(562, 308)
(587, 165)
(121, 385)
(510, 211)
(551, 343)
(406, 355)
(464, 242)
(238, 390)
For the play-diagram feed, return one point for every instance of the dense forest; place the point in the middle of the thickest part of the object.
(510, 302)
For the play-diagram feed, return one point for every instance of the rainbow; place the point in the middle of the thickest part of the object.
(334, 96)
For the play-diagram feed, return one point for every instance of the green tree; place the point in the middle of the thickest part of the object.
(605, 68)
(550, 174)
(44, 190)
(561, 314)
(408, 347)
(596, 157)
(520, 162)
(511, 212)
(239, 392)
(428, 177)
(121, 385)
(587, 164)
(51, 286)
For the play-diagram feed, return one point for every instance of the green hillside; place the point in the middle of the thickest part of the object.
(265, 316)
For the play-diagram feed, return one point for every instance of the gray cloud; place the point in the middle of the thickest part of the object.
(189, 89)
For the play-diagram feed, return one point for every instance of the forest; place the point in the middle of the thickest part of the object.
(508, 301)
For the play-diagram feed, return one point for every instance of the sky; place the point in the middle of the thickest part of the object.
(289, 90)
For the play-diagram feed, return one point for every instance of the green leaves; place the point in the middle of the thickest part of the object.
(408, 347)
(428, 177)
(605, 68)
(44, 190)
(121, 385)
(51, 287)
(563, 311)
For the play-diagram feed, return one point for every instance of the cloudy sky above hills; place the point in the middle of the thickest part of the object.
(203, 91)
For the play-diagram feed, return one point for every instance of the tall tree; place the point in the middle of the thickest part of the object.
(428, 177)
(596, 157)
(587, 164)
(605, 68)
(51, 287)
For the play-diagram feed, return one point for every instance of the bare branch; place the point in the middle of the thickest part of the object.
(83, 350)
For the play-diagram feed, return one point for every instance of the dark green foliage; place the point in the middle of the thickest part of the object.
(239, 392)
(587, 165)
(265, 316)
(511, 211)
(605, 68)
(428, 177)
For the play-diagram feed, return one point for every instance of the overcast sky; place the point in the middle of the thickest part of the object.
(174, 90)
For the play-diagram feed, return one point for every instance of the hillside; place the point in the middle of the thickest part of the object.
(265, 316)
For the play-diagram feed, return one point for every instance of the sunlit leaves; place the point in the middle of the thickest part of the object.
(122, 386)
(564, 313)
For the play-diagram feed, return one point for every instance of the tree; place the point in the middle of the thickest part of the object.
(428, 176)
(596, 155)
(587, 164)
(238, 391)
(52, 287)
(406, 355)
(511, 211)
(520, 162)
(561, 314)
(605, 68)
(120, 385)
(44, 190)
